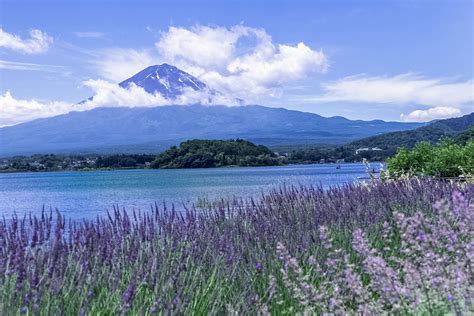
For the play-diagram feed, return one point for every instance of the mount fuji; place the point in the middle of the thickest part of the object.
(152, 129)
(165, 79)
(168, 81)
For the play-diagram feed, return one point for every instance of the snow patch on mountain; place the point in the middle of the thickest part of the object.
(167, 80)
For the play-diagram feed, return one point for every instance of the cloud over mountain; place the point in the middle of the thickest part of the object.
(154, 86)
(13, 111)
(240, 61)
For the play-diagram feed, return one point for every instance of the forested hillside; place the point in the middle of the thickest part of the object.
(464, 137)
(216, 153)
(378, 148)
(432, 133)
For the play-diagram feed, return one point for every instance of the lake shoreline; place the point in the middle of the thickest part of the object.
(90, 193)
(148, 168)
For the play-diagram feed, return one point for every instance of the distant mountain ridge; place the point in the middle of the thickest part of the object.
(154, 129)
(431, 133)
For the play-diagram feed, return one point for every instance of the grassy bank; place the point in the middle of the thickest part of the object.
(397, 247)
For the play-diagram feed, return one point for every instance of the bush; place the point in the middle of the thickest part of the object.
(446, 159)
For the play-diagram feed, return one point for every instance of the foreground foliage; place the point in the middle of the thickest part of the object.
(376, 249)
(446, 159)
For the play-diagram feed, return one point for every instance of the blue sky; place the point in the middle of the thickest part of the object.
(391, 60)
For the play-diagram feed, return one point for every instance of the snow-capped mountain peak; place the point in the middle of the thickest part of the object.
(165, 79)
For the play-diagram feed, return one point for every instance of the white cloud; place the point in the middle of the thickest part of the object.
(37, 43)
(439, 112)
(112, 95)
(14, 111)
(399, 90)
(118, 64)
(106, 94)
(13, 65)
(264, 72)
(446, 98)
(239, 61)
(203, 46)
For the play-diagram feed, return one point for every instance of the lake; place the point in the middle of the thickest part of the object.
(87, 194)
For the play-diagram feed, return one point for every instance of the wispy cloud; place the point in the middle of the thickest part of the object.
(398, 90)
(13, 65)
(38, 42)
(89, 34)
(118, 64)
(443, 97)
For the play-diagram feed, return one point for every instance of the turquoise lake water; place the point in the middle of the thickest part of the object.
(87, 194)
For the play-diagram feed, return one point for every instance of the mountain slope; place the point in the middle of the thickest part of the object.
(464, 137)
(165, 79)
(431, 133)
(154, 129)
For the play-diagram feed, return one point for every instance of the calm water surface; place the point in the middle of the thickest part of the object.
(86, 194)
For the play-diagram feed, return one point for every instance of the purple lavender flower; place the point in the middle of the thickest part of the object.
(128, 295)
(229, 260)
(425, 252)
(450, 297)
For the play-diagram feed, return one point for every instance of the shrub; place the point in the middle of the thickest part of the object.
(444, 160)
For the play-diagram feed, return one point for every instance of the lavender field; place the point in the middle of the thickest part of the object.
(399, 247)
